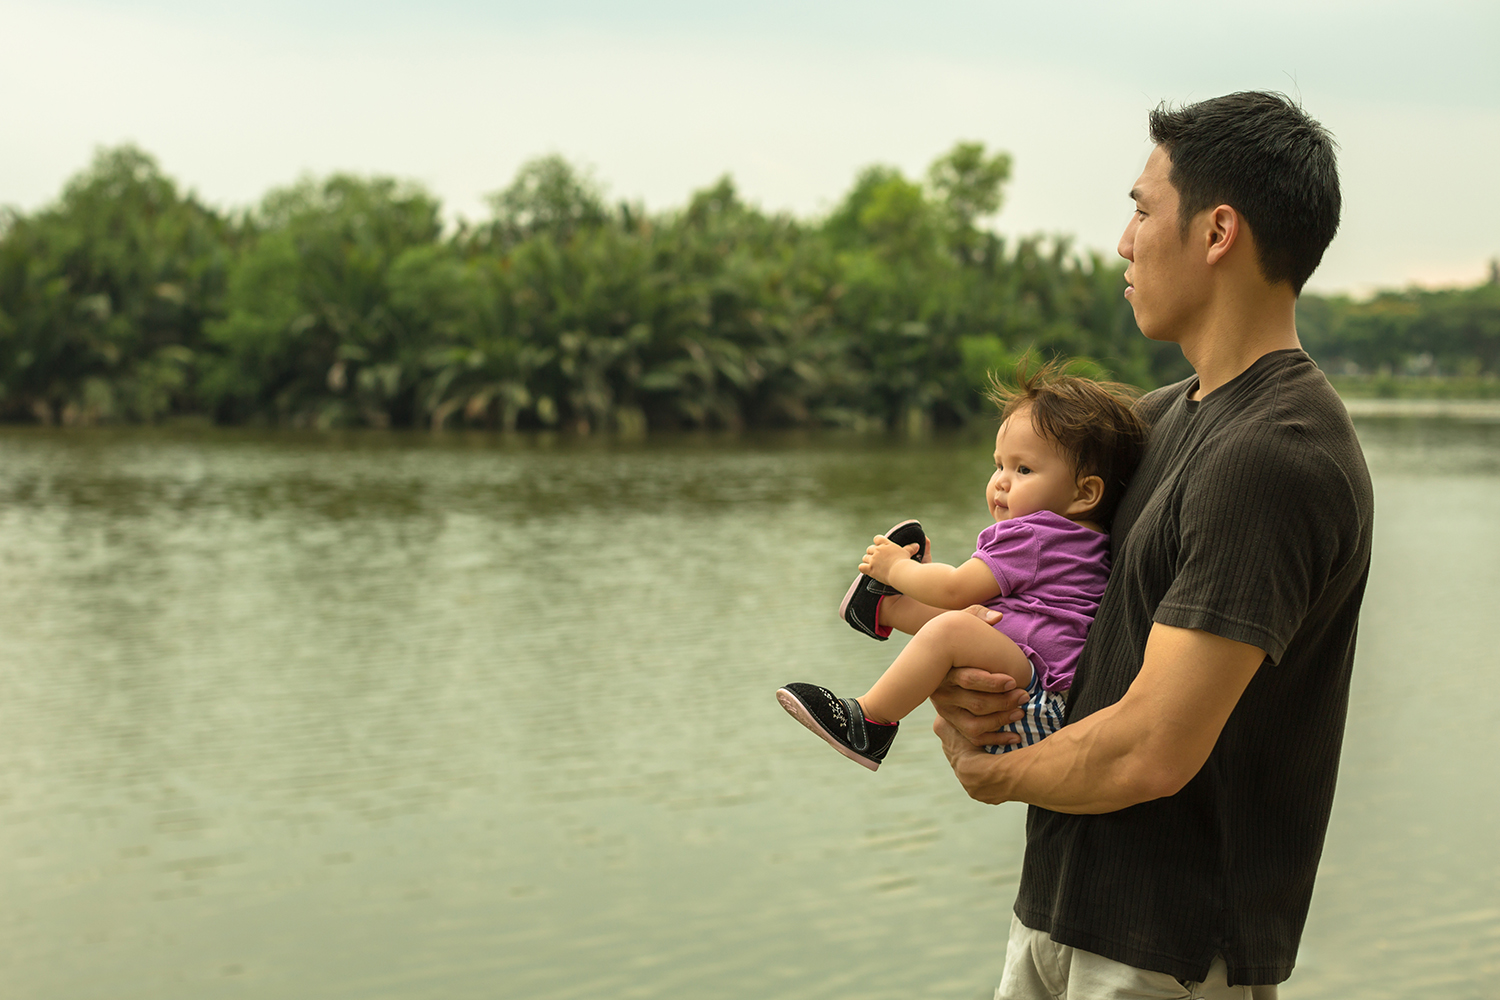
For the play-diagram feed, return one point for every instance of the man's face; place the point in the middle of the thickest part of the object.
(1167, 283)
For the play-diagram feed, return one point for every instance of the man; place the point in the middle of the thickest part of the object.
(1177, 818)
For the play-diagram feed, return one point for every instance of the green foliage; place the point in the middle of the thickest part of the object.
(103, 296)
(968, 184)
(549, 196)
(344, 302)
(1412, 333)
(309, 335)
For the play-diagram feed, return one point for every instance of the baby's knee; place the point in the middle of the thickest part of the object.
(956, 623)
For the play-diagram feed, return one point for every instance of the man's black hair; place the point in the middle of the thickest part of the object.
(1264, 157)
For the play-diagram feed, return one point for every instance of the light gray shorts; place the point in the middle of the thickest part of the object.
(1038, 968)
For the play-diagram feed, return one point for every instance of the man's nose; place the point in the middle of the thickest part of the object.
(1126, 248)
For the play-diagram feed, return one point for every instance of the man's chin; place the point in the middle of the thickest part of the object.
(1151, 331)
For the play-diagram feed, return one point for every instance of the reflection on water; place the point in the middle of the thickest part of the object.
(383, 716)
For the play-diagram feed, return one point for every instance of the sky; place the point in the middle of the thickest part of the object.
(660, 98)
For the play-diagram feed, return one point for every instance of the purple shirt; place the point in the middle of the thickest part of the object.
(1051, 574)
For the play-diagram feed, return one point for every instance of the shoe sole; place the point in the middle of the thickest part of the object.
(859, 581)
(860, 578)
(798, 711)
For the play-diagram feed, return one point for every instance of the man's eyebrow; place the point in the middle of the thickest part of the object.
(1135, 194)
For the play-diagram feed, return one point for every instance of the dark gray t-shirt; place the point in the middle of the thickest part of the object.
(1250, 518)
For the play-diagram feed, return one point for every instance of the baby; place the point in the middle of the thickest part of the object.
(1066, 449)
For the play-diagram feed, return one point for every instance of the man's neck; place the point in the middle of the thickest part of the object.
(1238, 330)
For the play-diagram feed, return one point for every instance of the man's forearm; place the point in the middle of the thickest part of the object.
(1093, 766)
(1148, 744)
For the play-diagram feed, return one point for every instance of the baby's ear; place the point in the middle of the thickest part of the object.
(1090, 493)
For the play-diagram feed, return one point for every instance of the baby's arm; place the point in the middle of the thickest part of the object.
(936, 584)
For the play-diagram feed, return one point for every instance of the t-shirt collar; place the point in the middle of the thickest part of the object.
(1232, 388)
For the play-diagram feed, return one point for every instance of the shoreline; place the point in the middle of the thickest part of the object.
(1454, 409)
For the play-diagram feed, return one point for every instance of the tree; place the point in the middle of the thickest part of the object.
(309, 336)
(968, 184)
(549, 195)
(104, 294)
(342, 301)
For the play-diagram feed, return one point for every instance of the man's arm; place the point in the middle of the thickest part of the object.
(1147, 745)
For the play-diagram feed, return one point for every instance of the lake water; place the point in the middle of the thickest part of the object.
(384, 716)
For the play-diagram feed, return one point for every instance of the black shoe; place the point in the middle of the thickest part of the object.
(840, 721)
(861, 604)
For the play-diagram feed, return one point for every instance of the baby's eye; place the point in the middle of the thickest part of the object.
(1023, 470)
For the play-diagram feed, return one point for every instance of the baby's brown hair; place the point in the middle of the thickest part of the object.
(1092, 421)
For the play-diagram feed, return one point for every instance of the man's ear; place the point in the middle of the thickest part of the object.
(1223, 228)
(1090, 493)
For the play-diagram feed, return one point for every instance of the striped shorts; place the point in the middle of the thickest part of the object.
(1044, 716)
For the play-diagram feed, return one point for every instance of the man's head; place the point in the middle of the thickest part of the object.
(1263, 156)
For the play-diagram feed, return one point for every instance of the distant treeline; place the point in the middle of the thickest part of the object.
(1452, 333)
(347, 302)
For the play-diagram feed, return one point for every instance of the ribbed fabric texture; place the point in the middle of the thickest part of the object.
(1250, 518)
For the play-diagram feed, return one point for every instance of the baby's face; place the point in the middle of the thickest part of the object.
(1031, 472)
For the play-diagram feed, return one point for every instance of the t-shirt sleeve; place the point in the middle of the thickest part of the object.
(1011, 550)
(1264, 525)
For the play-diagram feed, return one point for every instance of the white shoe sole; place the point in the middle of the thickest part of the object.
(798, 711)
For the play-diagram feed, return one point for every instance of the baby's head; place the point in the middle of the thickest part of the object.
(1067, 444)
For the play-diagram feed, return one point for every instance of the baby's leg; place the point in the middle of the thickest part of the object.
(905, 614)
(951, 639)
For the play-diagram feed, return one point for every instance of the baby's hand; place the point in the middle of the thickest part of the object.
(882, 555)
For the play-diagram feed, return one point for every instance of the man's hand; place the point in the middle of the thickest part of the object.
(970, 764)
(975, 703)
(1145, 746)
(882, 555)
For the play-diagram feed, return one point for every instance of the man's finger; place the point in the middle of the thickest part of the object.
(974, 679)
(985, 731)
(980, 730)
(993, 713)
(1000, 704)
